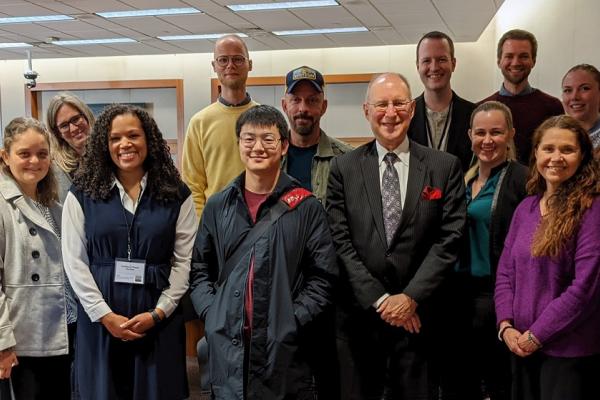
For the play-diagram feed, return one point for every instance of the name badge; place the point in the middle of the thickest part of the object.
(130, 271)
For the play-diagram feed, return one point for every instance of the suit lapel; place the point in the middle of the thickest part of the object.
(31, 214)
(414, 186)
(370, 172)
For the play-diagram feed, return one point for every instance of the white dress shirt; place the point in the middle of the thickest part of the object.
(401, 164)
(74, 250)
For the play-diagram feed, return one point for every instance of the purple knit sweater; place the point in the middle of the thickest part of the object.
(557, 299)
(528, 112)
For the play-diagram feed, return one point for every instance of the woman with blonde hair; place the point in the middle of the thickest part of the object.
(495, 185)
(35, 301)
(581, 98)
(548, 283)
(70, 121)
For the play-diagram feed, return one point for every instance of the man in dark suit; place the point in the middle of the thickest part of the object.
(442, 118)
(396, 212)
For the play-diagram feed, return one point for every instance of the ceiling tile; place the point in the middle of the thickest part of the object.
(356, 39)
(275, 20)
(326, 17)
(150, 26)
(366, 13)
(198, 23)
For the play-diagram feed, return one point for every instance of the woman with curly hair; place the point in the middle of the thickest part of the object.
(70, 121)
(34, 305)
(548, 282)
(129, 227)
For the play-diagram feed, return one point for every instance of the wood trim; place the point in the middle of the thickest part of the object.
(32, 107)
(355, 141)
(280, 80)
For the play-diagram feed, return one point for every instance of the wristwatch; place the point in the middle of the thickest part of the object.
(155, 316)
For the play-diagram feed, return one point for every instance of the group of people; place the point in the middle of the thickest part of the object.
(452, 257)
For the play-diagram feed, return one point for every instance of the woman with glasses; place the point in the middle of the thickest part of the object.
(548, 282)
(34, 306)
(129, 227)
(69, 120)
(581, 98)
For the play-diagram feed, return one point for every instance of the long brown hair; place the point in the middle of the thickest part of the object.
(47, 188)
(573, 197)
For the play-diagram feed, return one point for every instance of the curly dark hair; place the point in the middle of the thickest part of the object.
(97, 171)
(572, 198)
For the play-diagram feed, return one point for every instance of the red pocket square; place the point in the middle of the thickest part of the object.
(431, 193)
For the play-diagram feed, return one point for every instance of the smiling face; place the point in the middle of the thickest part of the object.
(390, 125)
(435, 64)
(581, 97)
(557, 156)
(73, 127)
(28, 159)
(516, 61)
(261, 149)
(127, 144)
(231, 76)
(490, 137)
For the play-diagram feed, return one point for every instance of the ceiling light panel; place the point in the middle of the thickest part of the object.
(149, 13)
(37, 18)
(282, 5)
(92, 41)
(12, 45)
(200, 37)
(322, 31)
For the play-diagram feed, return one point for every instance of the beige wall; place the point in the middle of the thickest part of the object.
(566, 30)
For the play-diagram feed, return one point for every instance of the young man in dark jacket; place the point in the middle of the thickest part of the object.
(257, 292)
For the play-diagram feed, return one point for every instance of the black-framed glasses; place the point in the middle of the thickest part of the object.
(268, 142)
(223, 61)
(76, 120)
(399, 105)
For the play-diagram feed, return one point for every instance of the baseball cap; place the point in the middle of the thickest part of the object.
(304, 73)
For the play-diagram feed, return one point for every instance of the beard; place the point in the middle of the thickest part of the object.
(303, 129)
(516, 80)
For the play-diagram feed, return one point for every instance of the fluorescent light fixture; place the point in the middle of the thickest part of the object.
(10, 45)
(321, 31)
(149, 13)
(282, 5)
(93, 41)
(38, 18)
(199, 37)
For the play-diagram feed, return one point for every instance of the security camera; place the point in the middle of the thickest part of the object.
(31, 75)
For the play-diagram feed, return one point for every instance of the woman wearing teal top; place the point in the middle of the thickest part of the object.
(495, 186)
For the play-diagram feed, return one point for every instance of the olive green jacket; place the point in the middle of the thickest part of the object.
(328, 148)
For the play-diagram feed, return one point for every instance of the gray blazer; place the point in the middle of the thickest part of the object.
(33, 312)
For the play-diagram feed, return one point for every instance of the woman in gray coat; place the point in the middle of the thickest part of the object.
(34, 297)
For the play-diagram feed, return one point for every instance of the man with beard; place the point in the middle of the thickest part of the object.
(311, 150)
(441, 118)
(517, 52)
(210, 151)
(309, 155)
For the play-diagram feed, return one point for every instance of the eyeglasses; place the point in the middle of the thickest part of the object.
(223, 61)
(76, 120)
(268, 142)
(399, 105)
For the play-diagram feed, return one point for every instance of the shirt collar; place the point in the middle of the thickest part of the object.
(527, 90)
(228, 104)
(402, 151)
(118, 184)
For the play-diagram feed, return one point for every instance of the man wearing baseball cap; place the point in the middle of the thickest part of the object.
(311, 150)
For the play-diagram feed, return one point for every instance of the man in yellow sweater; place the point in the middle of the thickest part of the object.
(210, 152)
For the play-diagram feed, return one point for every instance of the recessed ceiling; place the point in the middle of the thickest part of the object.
(389, 22)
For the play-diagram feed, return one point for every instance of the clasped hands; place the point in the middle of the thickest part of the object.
(129, 329)
(521, 344)
(399, 310)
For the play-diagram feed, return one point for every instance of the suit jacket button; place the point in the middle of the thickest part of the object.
(35, 277)
(388, 254)
(234, 342)
(236, 293)
(32, 231)
(35, 254)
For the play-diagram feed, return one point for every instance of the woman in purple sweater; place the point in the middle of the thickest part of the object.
(548, 282)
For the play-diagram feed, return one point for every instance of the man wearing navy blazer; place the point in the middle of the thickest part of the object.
(442, 118)
(396, 221)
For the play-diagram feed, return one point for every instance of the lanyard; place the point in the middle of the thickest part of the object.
(132, 220)
(444, 130)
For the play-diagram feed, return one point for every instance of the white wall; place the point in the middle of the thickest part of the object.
(567, 32)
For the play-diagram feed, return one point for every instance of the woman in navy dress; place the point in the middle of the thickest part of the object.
(129, 227)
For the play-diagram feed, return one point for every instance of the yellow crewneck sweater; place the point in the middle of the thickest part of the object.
(211, 158)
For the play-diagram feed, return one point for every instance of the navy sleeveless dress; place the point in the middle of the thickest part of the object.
(151, 368)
